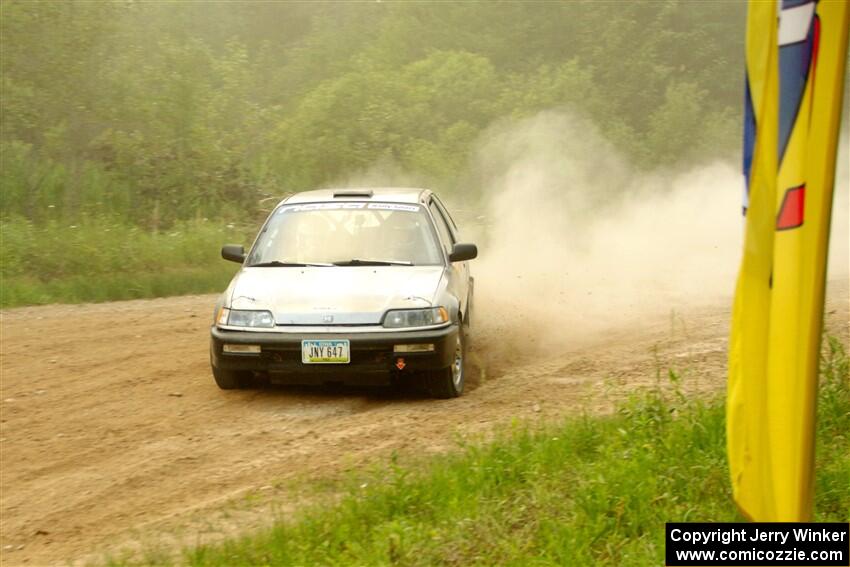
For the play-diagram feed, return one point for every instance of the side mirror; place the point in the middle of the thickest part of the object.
(462, 252)
(233, 252)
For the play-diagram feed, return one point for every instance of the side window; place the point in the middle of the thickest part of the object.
(449, 220)
(442, 227)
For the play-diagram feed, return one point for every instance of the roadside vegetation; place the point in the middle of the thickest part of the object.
(103, 260)
(155, 114)
(591, 490)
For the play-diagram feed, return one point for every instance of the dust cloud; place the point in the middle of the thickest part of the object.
(576, 242)
(839, 238)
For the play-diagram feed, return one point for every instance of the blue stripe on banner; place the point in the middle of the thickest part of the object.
(794, 64)
(749, 140)
(793, 3)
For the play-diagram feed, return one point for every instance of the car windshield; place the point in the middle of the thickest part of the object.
(348, 234)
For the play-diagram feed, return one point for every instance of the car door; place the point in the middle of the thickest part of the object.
(459, 271)
(455, 232)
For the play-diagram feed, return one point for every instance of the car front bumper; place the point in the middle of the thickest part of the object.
(373, 360)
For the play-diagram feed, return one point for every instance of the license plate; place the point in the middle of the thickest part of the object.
(325, 352)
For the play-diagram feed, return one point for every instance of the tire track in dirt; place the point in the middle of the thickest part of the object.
(113, 434)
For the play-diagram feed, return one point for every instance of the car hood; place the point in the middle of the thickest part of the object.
(344, 295)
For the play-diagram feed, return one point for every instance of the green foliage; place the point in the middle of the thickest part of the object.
(593, 490)
(101, 260)
(156, 112)
(833, 441)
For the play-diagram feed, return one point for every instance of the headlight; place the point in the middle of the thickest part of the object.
(242, 318)
(416, 317)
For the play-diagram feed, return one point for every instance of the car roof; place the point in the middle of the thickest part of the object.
(384, 194)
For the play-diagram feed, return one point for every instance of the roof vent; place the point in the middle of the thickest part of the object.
(353, 193)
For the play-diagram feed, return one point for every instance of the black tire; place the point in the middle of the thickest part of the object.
(445, 383)
(228, 379)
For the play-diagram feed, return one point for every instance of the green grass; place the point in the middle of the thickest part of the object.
(99, 259)
(590, 490)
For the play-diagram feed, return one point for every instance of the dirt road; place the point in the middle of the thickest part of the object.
(114, 435)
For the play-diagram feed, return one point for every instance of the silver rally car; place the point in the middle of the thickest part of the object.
(359, 286)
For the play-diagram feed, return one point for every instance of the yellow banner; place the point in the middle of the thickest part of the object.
(795, 80)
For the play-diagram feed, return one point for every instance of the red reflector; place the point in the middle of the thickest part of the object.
(400, 364)
(791, 211)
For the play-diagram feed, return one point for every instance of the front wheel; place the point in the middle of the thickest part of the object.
(228, 379)
(448, 382)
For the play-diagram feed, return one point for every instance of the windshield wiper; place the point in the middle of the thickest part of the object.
(279, 264)
(361, 262)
